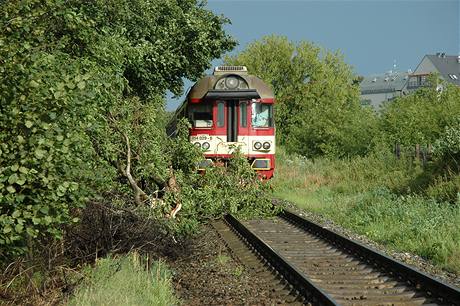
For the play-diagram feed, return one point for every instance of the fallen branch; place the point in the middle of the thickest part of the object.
(174, 187)
(139, 195)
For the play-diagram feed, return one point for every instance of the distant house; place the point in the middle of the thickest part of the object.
(379, 88)
(447, 66)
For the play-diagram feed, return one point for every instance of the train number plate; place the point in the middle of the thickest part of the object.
(200, 137)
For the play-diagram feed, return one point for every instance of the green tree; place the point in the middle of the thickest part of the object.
(422, 117)
(317, 110)
(82, 86)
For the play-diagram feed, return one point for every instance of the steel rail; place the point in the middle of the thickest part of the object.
(291, 274)
(418, 279)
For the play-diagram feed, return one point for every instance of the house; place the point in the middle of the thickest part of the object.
(379, 88)
(447, 66)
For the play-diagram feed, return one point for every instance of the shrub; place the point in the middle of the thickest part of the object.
(81, 84)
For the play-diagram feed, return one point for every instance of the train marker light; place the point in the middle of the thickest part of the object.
(267, 145)
(205, 146)
(257, 145)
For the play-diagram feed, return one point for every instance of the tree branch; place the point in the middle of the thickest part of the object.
(139, 195)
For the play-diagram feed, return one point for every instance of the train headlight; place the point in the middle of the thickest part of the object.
(197, 144)
(231, 82)
(205, 146)
(257, 145)
(267, 145)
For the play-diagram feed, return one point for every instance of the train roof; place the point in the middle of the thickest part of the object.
(230, 82)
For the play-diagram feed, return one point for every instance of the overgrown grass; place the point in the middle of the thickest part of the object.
(373, 196)
(125, 281)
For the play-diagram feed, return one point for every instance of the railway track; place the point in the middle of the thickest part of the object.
(325, 268)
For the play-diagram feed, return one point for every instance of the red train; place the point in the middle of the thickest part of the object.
(230, 109)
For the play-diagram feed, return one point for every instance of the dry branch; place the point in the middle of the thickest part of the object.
(139, 195)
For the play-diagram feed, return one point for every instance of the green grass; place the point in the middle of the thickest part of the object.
(124, 281)
(365, 195)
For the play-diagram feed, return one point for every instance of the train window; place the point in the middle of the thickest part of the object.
(220, 114)
(243, 114)
(201, 115)
(262, 115)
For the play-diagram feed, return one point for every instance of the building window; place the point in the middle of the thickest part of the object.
(413, 82)
(423, 80)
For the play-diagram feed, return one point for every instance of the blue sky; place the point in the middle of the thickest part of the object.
(373, 35)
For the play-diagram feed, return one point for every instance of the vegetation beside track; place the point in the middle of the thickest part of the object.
(82, 136)
(361, 194)
(364, 169)
(125, 280)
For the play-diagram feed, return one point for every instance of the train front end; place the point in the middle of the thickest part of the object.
(232, 109)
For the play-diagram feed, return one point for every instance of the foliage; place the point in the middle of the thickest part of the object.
(220, 190)
(447, 146)
(317, 110)
(126, 280)
(422, 117)
(75, 78)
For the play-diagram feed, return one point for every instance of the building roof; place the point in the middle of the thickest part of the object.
(382, 83)
(448, 66)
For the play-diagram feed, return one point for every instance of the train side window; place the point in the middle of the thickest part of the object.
(201, 115)
(220, 114)
(243, 114)
(262, 115)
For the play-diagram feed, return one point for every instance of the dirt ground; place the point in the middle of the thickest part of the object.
(208, 275)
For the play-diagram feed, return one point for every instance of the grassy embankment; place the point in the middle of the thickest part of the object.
(372, 196)
(125, 281)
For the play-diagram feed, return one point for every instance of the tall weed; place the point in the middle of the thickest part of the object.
(125, 281)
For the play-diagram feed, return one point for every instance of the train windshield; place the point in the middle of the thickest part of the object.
(201, 115)
(262, 115)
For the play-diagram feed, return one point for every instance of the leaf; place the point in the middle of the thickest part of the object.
(23, 169)
(34, 84)
(29, 124)
(48, 220)
(39, 153)
(14, 168)
(11, 189)
(13, 178)
(81, 85)
(16, 214)
(7, 229)
(30, 231)
(19, 228)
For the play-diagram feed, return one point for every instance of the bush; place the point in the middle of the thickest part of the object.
(421, 117)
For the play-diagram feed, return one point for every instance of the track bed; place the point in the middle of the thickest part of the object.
(338, 273)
